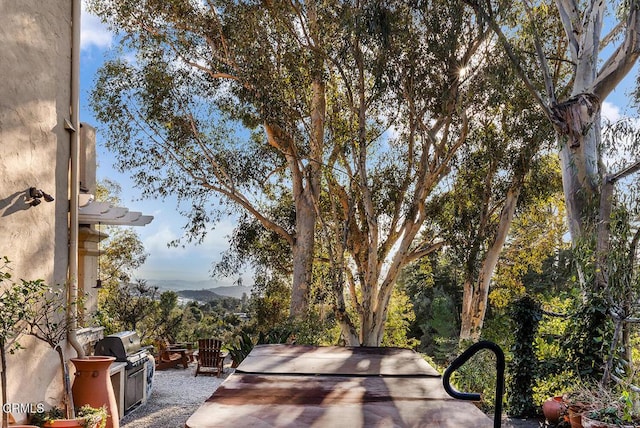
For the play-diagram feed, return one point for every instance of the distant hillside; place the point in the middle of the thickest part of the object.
(199, 295)
(232, 291)
(210, 285)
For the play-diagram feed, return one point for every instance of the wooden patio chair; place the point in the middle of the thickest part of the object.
(187, 347)
(169, 357)
(210, 357)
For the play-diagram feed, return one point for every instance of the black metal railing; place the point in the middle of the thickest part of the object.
(463, 358)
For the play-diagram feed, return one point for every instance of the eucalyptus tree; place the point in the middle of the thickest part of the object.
(376, 97)
(397, 130)
(569, 76)
(570, 36)
(222, 99)
(263, 102)
(491, 193)
(621, 262)
(536, 242)
(502, 170)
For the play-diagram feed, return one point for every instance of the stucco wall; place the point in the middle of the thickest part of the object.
(34, 101)
(35, 40)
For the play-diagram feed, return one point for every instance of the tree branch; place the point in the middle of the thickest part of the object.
(635, 167)
(515, 60)
(623, 59)
(568, 10)
(542, 59)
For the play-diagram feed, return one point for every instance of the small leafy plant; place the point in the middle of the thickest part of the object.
(87, 416)
(609, 405)
(17, 303)
(92, 416)
(619, 412)
(241, 349)
(40, 418)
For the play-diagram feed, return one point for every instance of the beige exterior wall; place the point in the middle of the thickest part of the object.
(35, 65)
(34, 147)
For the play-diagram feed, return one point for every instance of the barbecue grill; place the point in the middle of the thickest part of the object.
(126, 348)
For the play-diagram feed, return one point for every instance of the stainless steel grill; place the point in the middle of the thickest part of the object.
(126, 348)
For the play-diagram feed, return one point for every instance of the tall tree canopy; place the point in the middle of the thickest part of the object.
(332, 125)
(200, 72)
(263, 102)
(405, 83)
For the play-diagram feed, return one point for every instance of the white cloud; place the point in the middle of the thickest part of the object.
(190, 262)
(156, 243)
(93, 32)
(610, 112)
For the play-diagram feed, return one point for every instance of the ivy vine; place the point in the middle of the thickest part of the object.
(526, 314)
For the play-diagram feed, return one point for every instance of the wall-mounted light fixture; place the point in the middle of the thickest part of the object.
(37, 194)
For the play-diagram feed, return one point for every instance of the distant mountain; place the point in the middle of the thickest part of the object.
(209, 285)
(203, 296)
(179, 284)
(232, 291)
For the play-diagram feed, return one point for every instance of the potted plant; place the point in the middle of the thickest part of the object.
(578, 401)
(50, 325)
(86, 417)
(616, 412)
(596, 406)
(17, 301)
(40, 418)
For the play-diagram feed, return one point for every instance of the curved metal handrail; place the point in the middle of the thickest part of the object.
(500, 366)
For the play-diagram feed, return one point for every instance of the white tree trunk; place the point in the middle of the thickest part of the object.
(476, 293)
(577, 120)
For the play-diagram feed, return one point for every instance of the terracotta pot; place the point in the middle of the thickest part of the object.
(64, 423)
(553, 408)
(23, 426)
(92, 386)
(574, 418)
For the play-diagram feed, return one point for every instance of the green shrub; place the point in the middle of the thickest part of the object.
(478, 375)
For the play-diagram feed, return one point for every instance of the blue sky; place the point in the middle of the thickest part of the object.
(193, 262)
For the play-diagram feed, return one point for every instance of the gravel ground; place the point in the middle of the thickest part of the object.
(177, 394)
(522, 423)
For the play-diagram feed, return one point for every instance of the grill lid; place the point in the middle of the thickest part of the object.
(119, 345)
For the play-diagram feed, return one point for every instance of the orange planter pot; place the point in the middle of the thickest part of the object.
(574, 418)
(92, 386)
(553, 408)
